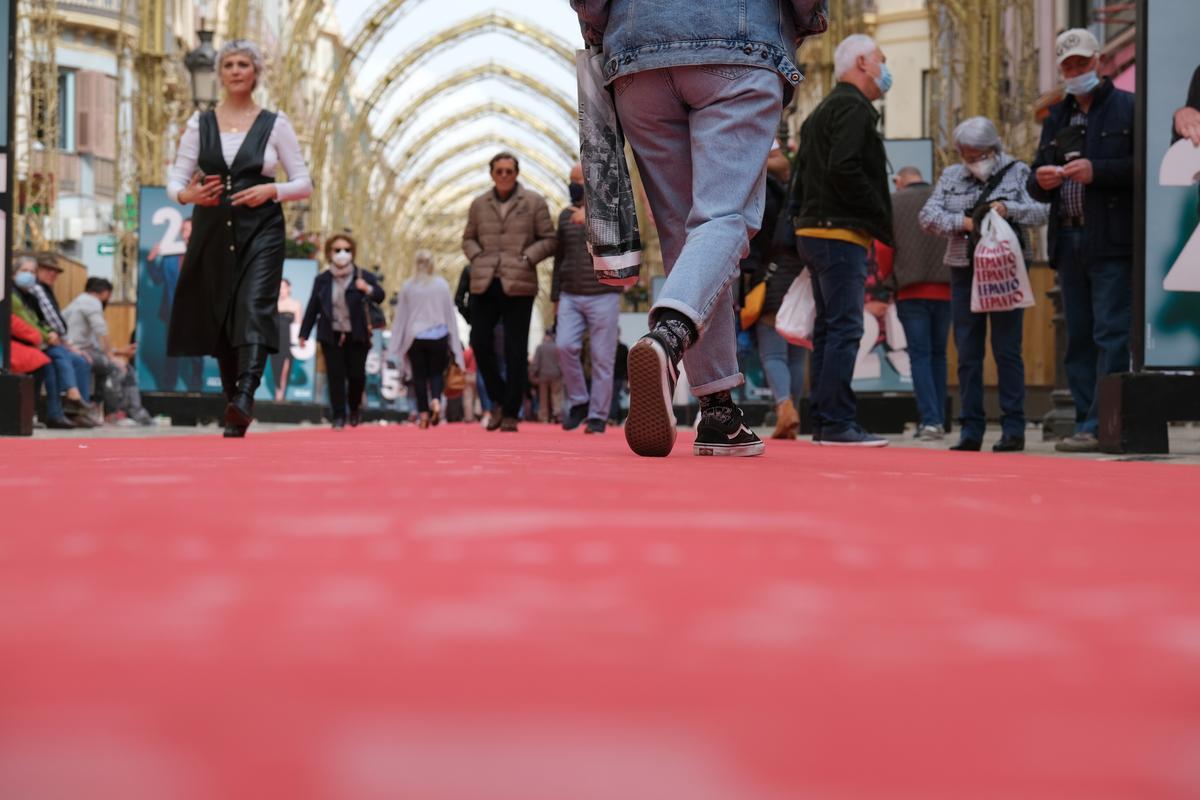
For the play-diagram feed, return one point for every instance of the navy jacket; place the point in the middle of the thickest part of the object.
(1108, 200)
(320, 308)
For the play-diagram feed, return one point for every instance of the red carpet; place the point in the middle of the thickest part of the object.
(454, 615)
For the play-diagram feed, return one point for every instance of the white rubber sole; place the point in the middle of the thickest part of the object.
(740, 450)
(650, 427)
(883, 443)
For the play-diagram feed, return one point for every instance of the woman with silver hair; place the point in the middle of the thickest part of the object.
(424, 336)
(337, 306)
(225, 301)
(988, 178)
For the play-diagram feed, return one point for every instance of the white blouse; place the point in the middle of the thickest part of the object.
(282, 148)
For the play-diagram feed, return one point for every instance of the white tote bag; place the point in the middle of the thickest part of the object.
(1001, 280)
(798, 313)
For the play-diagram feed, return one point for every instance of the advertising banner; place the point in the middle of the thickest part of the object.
(163, 231)
(1169, 71)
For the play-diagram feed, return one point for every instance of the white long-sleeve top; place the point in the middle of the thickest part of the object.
(282, 148)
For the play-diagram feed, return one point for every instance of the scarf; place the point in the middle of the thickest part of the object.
(341, 281)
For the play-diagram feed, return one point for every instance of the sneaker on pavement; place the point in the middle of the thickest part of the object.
(650, 426)
(718, 437)
(853, 436)
(595, 426)
(508, 425)
(1079, 443)
(931, 433)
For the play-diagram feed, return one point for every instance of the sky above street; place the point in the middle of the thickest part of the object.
(422, 19)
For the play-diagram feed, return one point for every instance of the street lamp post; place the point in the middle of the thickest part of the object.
(202, 64)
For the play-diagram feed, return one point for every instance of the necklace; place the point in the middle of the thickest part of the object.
(237, 120)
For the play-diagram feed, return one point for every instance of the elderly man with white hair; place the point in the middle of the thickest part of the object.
(842, 203)
(988, 178)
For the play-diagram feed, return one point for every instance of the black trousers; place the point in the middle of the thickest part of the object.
(429, 358)
(488, 309)
(346, 370)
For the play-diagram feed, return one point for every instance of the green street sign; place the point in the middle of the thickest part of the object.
(106, 248)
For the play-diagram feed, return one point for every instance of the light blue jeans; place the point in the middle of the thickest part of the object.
(598, 316)
(701, 135)
(782, 362)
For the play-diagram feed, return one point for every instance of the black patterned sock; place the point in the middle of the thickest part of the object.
(718, 409)
(678, 330)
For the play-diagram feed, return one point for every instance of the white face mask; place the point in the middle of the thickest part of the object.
(982, 170)
(342, 258)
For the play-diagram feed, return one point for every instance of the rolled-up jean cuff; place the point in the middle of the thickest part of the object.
(722, 385)
(682, 308)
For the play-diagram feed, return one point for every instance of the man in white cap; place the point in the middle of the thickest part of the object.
(1084, 168)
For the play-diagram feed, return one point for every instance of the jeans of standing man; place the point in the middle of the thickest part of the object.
(701, 135)
(597, 315)
(1098, 302)
(487, 309)
(970, 335)
(839, 273)
(73, 371)
(782, 362)
(926, 327)
(429, 359)
(346, 370)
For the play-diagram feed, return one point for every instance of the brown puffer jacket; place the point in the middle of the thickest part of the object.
(495, 245)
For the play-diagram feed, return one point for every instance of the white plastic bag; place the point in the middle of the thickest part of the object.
(798, 313)
(1001, 281)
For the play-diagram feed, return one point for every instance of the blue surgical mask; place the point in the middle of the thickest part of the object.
(884, 79)
(25, 280)
(1083, 84)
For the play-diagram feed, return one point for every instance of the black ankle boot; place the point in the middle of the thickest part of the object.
(252, 359)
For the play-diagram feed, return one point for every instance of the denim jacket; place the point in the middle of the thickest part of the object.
(638, 35)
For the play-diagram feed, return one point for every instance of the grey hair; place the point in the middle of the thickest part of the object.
(424, 263)
(847, 53)
(979, 133)
(21, 258)
(243, 47)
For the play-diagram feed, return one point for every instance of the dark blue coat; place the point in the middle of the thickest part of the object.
(320, 308)
(1108, 200)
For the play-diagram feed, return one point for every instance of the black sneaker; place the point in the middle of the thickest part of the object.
(650, 426)
(595, 426)
(718, 438)
(60, 423)
(968, 446)
(575, 417)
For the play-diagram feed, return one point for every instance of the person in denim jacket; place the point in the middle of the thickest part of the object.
(699, 87)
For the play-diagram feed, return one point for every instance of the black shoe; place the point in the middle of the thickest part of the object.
(595, 426)
(339, 424)
(508, 425)
(575, 417)
(235, 432)
(969, 445)
(650, 426)
(1009, 444)
(495, 419)
(240, 411)
(726, 437)
(60, 423)
(355, 418)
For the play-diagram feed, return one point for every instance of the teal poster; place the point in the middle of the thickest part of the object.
(1171, 76)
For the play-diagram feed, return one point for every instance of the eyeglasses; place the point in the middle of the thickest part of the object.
(342, 250)
(505, 171)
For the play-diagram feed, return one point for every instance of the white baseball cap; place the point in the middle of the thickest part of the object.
(1075, 42)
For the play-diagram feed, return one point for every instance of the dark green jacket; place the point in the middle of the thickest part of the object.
(843, 179)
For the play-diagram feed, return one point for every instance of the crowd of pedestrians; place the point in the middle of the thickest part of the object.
(701, 119)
